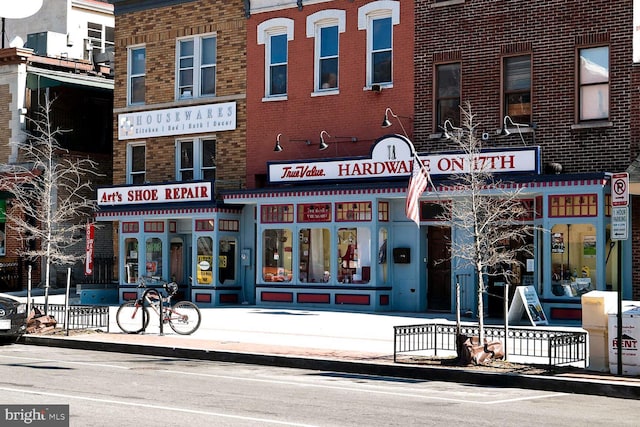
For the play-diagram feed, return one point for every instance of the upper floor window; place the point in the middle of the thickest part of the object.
(196, 159)
(378, 18)
(101, 37)
(275, 35)
(448, 93)
(326, 26)
(137, 64)
(517, 88)
(594, 83)
(196, 67)
(136, 164)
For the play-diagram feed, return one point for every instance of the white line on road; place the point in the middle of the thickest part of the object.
(149, 406)
(298, 384)
(40, 360)
(389, 393)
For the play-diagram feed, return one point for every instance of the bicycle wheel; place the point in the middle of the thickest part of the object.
(184, 317)
(132, 318)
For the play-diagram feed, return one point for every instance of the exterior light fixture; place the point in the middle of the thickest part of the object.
(279, 148)
(446, 130)
(505, 130)
(386, 122)
(323, 144)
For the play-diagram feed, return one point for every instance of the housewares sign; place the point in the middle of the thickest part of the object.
(177, 121)
(392, 157)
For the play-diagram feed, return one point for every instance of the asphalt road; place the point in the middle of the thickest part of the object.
(107, 389)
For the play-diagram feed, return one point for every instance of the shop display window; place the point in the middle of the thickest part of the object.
(131, 259)
(227, 260)
(358, 211)
(354, 255)
(314, 255)
(277, 256)
(270, 214)
(383, 252)
(153, 262)
(573, 259)
(204, 266)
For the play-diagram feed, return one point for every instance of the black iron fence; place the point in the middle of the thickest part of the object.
(80, 316)
(103, 271)
(555, 346)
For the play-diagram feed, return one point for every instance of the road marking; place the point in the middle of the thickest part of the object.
(381, 392)
(36, 359)
(298, 384)
(149, 406)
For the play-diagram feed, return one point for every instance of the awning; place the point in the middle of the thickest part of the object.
(41, 78)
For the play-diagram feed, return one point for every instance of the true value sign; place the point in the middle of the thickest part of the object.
(392, 157)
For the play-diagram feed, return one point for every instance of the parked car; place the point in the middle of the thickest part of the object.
(13, 318)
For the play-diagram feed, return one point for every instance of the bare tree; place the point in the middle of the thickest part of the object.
(490, 214)
(51, 196)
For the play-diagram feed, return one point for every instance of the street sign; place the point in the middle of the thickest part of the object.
(620, 223)
(620, 189)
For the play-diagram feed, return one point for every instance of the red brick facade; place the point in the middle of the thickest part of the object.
(353, 112)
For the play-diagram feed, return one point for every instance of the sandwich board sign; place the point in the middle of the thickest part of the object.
(525, 300)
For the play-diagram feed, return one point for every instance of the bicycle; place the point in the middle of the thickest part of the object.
(183, 317)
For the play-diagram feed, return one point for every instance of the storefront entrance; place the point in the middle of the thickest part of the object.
(439, 268)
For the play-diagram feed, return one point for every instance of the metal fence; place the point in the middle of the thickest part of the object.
(556, 347)
(80, 316)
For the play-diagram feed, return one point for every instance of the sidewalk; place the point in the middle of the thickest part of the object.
(350, 342)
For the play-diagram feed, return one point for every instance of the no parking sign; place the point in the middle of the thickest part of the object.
(620, 189)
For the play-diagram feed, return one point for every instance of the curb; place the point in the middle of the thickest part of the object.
(533, 382)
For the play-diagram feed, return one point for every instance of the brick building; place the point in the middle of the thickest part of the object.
(179, 139)
(45, 54)
(308, 206)
(571, 88)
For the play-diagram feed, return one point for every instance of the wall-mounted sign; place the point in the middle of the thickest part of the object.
(316, 212)
(177, 121)
(165, 193)
(392, 157)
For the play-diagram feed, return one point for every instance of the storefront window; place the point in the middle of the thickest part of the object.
(131, 260)
(314, 255)
(227, 260)
(354, 255)
(573, 259)
(383, 269)
(204, 267)
(277, 259)
(154, 257)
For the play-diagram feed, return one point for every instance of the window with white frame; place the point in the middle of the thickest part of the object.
(137, 64)
(275, 34)
(594, 83)
(196, 62)
(326, 26)
(136, 164)
(196, 159)
(378, 19)
(101, 37)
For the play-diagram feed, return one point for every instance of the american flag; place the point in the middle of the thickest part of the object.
(417, 184)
